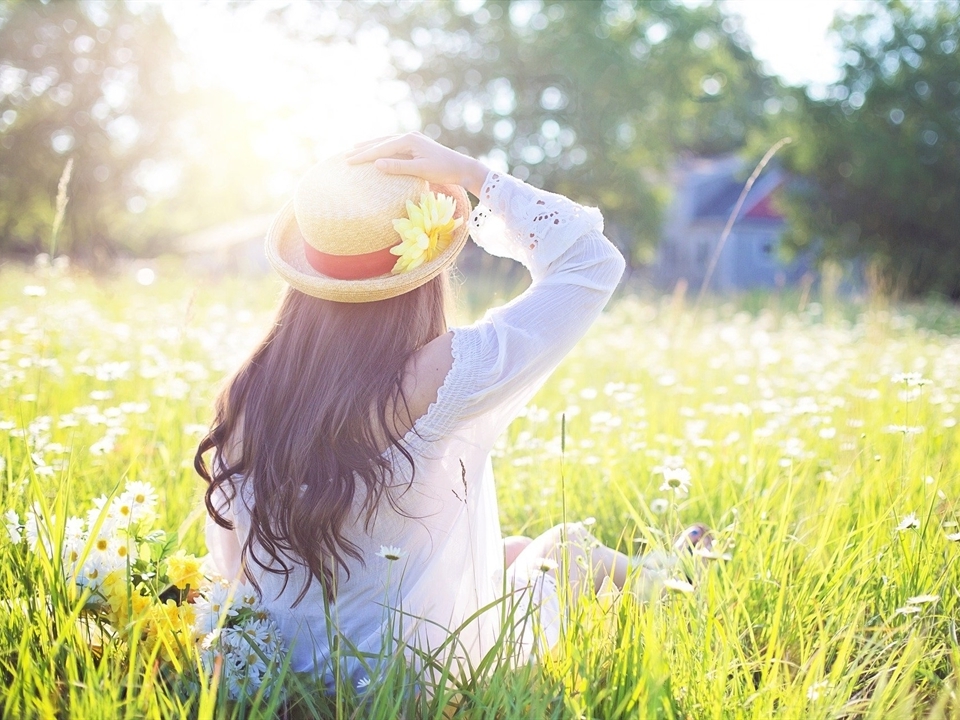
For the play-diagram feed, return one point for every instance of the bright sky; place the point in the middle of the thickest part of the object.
(791, 36)
(319, 98)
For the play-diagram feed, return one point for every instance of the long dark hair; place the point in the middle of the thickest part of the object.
(306, 420)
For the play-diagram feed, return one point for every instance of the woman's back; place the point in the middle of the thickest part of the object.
(429, 558)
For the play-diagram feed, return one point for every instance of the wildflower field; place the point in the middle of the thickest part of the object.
(819, 441)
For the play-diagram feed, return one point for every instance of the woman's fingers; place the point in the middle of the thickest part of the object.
(417, 155)
(393, 146)
(396, 166)
(366, 143)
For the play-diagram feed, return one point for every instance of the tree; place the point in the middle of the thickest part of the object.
(84, 81)
(881, 153)
(587, 98)
(154, 155)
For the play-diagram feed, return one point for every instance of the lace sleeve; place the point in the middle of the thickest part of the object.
(505, 357)
(534, 227)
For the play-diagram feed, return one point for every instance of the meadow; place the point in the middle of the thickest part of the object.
(820, 440)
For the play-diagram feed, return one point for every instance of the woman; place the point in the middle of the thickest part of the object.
(351, 480)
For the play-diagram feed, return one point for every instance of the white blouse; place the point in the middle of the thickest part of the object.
(451, 574)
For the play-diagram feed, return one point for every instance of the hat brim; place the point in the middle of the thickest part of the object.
(284, 249)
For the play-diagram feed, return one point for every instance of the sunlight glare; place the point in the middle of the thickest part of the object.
(303, 100)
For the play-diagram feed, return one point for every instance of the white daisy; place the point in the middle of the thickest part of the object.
(923, 599)
(391, 553)
(14, 528)
(36, 530)
(545, 565)
(908, 522)
(678, 585)
(141, 498)
(93, 572)
(676, 480)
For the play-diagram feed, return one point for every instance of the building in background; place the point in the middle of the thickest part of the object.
(706, 192)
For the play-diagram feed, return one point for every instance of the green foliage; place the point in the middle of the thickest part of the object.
(88, 82)
(106, 85)
(806, 456)
(880, 155)
(590, 99)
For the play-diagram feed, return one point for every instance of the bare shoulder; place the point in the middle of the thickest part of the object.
(425, 375)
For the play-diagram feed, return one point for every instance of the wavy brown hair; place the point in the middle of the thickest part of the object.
(306, 420)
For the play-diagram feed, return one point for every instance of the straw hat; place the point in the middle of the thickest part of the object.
(333, 239)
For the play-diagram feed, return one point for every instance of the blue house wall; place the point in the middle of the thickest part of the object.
(707, 191)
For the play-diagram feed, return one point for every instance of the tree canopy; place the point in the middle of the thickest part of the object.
(596, 99)
(106, 85)
(587, 98)
(82, 81)
(880, 155)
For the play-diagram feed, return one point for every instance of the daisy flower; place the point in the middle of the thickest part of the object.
(14, 528)
(391, 553)
(908, 522)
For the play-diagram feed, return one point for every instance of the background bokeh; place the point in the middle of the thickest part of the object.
(181, 117)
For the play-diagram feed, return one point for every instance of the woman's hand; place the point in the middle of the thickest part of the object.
(418, 155)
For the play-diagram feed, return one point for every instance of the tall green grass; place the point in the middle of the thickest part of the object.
(830, 481)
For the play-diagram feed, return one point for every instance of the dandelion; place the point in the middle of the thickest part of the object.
(391, 553)
(909, 521)
(658, 506)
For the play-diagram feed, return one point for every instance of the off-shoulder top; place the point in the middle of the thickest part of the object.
(448, 528)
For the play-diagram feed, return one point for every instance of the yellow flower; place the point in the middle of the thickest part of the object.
(171, 627)
(425, 232)
(183, 570)
(127, 603)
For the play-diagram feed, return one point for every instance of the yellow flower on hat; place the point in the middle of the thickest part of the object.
(425, 232)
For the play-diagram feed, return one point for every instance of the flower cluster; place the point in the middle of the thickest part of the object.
(233, 629)
(425, 232)
(129, 577)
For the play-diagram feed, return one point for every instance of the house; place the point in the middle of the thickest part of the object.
(706, 193)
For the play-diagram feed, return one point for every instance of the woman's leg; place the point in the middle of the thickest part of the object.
(584, 558)
(513, 546)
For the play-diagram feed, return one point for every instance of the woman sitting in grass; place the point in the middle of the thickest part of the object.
(351, 480)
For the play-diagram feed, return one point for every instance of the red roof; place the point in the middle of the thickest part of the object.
(765, 209)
